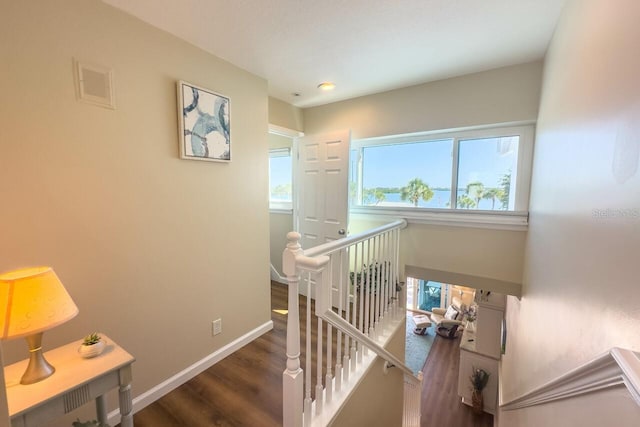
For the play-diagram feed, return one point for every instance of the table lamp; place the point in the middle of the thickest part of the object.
(33, 300)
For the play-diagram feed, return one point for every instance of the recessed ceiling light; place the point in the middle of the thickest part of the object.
(326, 86)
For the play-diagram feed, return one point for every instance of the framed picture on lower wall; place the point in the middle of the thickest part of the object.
(203, 124)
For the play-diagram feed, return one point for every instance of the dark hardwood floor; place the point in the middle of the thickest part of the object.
(441, 405)
(245, 389)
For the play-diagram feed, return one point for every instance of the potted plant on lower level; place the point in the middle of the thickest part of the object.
(479, 379)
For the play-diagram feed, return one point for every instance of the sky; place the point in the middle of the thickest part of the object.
(279, 170)
(479, 160)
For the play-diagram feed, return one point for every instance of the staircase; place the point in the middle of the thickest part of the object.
(354, 284)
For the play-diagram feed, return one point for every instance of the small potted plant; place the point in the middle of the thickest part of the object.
(479, 379)
(471, 322)
(92, 345)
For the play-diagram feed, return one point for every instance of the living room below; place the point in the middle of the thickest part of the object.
(474, 319)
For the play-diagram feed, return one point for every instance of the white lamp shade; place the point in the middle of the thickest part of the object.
(32, 300)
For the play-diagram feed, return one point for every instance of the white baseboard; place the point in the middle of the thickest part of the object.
(185, 375)
(276, 277)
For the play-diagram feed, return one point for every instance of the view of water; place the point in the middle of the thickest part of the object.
(439, 200)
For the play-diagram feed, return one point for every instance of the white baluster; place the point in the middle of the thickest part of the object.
(354, 311)
(385, 281)
(344, 299)
(388, 301)
(308, 416)
(360, 281)
(394, 294)
(400, 300)
(319, 389)
(376, 294)
(339, 368)
(379, 300)
(329, 377)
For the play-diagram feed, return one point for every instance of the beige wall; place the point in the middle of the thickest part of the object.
(285, 115)
(151, 248)
(378, 402)
(581, 288)
(279, 141)
(495, 254)
(497, 96)
(279, 225)
(479, 252)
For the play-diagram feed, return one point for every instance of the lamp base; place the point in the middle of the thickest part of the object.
(38, 368)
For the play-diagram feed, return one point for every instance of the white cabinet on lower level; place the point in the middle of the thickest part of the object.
(470, 359)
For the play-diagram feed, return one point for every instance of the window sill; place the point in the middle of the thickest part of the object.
(281, 211)
(513, 221)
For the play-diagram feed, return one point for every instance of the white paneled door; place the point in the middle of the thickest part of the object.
(322, 175)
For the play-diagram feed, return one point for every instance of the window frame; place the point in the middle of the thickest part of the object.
(276, 206)
(516, 219)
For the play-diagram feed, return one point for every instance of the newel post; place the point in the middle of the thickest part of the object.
(292, 377)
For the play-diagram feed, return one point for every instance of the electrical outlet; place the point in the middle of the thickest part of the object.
(217, 327)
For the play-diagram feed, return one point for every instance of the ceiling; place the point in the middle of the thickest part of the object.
(364, 46)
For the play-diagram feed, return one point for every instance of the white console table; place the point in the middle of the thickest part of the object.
(481, 348)
(470, 358)
(75, 382)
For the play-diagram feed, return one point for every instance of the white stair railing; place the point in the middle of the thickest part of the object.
(353, 284)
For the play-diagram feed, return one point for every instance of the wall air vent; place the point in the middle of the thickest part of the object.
(94, 84)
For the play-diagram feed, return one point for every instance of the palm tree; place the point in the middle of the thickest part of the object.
(505, 185)
(475, 190)
(465, 202)
(493, 194)
(379, 195)
(415, 190)
(353, 193)
(282, 191)
(373, 196)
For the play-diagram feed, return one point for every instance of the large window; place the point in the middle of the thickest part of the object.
(280, 182)
(408, 174)
(485, 170)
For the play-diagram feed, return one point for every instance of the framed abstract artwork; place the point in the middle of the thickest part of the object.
(203, 124)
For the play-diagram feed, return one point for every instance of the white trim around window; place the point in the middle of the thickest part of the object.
(512, 221)
(516, 219)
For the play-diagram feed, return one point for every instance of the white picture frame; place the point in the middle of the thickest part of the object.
(204, 124)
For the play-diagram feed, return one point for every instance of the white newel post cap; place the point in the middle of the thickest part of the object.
(289, 255)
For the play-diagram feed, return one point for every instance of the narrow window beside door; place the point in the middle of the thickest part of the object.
(280, 183)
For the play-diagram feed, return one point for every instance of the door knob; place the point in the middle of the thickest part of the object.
(342, 232)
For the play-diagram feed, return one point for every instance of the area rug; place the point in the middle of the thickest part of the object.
(417, 346)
